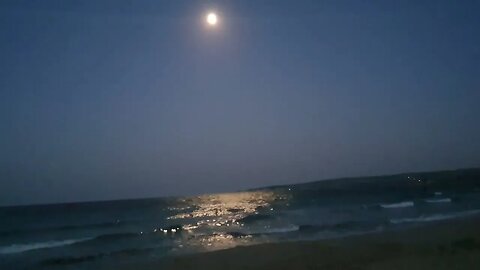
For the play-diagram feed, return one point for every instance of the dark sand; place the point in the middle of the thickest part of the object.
(453, 244)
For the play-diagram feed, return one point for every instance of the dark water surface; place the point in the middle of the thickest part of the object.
(108, 234)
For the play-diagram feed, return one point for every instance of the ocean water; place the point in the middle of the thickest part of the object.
(108, 235)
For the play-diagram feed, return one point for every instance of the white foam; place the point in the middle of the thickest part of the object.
(17, 248)
(435, 217)
(438, 193)
(398, 205)
(440, 200)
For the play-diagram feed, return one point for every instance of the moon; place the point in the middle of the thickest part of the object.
(212, 18)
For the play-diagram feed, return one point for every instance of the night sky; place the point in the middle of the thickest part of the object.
(128, 99)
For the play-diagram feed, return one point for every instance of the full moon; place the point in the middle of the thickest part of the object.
(212, 18)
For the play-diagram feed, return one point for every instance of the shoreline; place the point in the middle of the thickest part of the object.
(449, 244)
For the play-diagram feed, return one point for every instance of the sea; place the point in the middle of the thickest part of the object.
(113, 234)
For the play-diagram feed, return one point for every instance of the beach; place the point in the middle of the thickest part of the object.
(452, 244)
(400, 221)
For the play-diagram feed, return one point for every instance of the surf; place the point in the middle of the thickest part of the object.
(18, 248)
(435, 217)
(398, 205)
(438, 200)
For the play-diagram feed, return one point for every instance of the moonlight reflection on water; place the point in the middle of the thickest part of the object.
(215, 221)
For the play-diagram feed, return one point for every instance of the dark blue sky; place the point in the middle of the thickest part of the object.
(122, 99)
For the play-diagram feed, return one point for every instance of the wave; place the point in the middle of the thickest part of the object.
(439, 200)
(292, 228)
(18, 248)
(266, 231)
(61, 228)
(398, 205)
(435, 217)
(307, 228)
(254, 218)
(114, 236)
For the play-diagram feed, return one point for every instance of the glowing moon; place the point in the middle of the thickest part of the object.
(212, 18)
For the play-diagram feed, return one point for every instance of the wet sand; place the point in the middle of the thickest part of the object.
(453, 244)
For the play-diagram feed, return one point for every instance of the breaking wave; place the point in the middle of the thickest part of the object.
(398, 205)
(439, 200)
(436, 217)
(17, 248)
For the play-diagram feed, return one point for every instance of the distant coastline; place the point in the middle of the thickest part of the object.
(470, 172)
